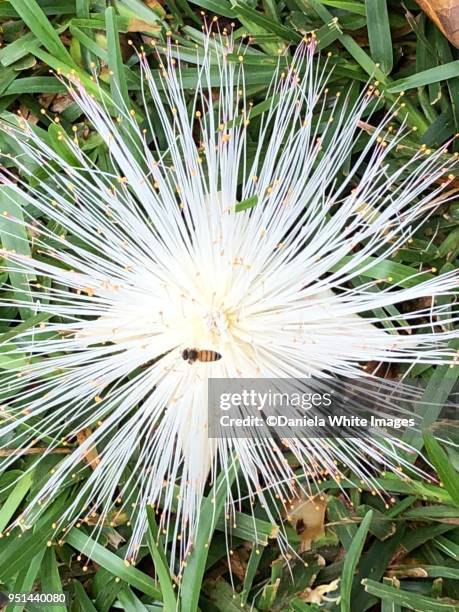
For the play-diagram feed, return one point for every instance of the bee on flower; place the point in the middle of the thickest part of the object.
(214, 241)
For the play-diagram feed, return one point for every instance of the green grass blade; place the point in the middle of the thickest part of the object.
(242, 10)
(19, 552)
(97, 89)
(112, 563)
(447, 546)
(249, 528)
(379, 34)
(31, 85)
(251, 570)
(447, 473)
(246, 204)
(373, 564)
(339, 514)
(131, 602)
(25, 580)
(50, 579)
(88, 43)
(13, 236)
(17, 49)
(415, 538)
(32, 15)
(211, 508)
(219, 7)
(435, 395)
(14, 499)
(118, 85)
(159, 559)
(82, 598)
(428, 571)
(364, 60)
(426, 77)
(351, 561)
(387, 605)
(412, 601)
(142, 10)
(346, 5)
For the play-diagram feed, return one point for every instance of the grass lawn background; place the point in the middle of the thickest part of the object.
(389, 559)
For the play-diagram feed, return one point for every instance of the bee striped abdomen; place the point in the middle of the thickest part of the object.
(191, 355)
(208, 355)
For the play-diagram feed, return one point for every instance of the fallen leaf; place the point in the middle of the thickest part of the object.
(318, 595)
(445, 15)
(115, 539)
(307, 516)
(60, 102)
(26, 113)
(238, 562)
(138, 25)
(407, 572)
(91, 456)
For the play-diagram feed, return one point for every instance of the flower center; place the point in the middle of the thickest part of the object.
(217, 323)
(201, 325)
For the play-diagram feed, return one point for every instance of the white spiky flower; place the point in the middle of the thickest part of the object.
(149, 256)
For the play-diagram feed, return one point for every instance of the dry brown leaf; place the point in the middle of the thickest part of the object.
(318, 595)
(238, 562)
(138, 25)
(407, 572)
(91, 456)
(60, 102)
(113, 519)
(307, 517)
(26, 113)
(115, 539)
(39, 450)
(445, 14)
(398, 555)
(46, 99)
